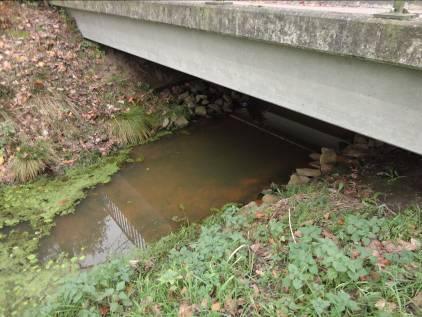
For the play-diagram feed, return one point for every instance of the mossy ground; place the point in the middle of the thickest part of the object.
(26, 215)
(336, 256)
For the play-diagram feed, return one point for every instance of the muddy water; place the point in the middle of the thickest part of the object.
(181, 178)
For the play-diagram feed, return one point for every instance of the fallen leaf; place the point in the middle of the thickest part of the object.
(215, 306)
(329, 235)
(185, 310)
(104, 310)
(230, 306)
(259, 215)
(382, 304)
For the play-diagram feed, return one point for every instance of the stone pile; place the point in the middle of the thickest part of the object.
(200, 99)
(324, 162)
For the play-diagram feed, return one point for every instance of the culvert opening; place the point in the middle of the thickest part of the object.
(222, 147)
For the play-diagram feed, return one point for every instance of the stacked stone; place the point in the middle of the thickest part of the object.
(324, 162)
(201, 99)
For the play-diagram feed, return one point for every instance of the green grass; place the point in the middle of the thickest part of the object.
(32, 207)
(131, 127)
(31, 160)
(245, 262)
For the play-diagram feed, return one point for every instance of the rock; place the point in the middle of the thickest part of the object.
(219, 102)
(181, 122)
(191, 105)
(250, 206)
(327, 168)
(315, 164)
(298, 180)
(328, 156)
(198, 98)
(356, 150)
(227, 108)
(214, 108)
(201, 111)
(134, 263)
(176, 90)
(310, 172)
(166, 122)
(205, 102)
(183, 96)
(315, 156)
(227, 98)
(189, 99)
(270, 199)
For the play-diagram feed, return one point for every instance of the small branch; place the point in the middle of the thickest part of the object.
(291, 230)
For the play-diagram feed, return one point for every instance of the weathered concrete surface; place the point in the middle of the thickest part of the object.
(375, 99)
(358, 34)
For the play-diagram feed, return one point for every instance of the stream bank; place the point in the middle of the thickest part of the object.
(244, 260)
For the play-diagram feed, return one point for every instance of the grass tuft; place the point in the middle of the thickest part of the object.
(132, 127)
(31, 160)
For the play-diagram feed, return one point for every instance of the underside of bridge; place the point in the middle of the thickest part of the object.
(373, 92)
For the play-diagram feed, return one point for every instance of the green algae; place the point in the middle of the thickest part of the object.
(26, 215)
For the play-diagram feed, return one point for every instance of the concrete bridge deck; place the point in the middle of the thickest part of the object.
(341, 64)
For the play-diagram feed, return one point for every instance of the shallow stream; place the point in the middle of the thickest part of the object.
(180, 179)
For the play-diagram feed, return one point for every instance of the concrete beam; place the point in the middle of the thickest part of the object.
(337, 32)
(380, 100)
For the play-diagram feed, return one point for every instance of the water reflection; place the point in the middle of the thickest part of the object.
(125, 226)
(183, 176)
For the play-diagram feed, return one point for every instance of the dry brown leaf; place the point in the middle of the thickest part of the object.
(215, 306)
(382, 304)
(185, 310)
(260, 215)
(230, 306)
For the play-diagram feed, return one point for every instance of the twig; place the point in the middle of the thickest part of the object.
(291, 230)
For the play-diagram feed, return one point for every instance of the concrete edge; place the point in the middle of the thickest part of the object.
(358, 35)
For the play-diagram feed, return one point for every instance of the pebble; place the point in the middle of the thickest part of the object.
(200, 97)
(315, 164)
(201, 111)
(328, 156)
(270, 199)
(327, 168)
(181, 122)
(214, 108)
(183, 96)
(310, 172)
(227, 98)
(315, 156)
(249, 206)
(166, 122)
(298, 180)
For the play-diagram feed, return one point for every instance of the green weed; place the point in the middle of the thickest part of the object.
(240, 265)
(131, 127)
(31, 160)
